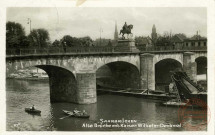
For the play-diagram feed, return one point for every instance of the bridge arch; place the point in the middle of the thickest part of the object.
(15, 65)
(101, 61)
(201, 63)
(176, 56)
(200, 54)
(163, 70)
(62, 82)
(118, 74)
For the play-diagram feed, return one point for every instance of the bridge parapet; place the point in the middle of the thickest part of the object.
(99, 49)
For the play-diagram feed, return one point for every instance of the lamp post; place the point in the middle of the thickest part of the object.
(147, 77)
(100, 30)
(29, 22)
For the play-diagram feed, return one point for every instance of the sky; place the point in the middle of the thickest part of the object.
(88, 21)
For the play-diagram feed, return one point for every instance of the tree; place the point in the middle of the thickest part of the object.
(56, 43)
(165, 40)
(74, 41)
(15, 35)
(142, 41)
(69, 41)
(109, 43)
(86, 41)
(103, 41)
(39, 38)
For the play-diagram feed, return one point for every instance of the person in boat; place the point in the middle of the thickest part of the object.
(76, 111)
(84, 112)
(33, 107)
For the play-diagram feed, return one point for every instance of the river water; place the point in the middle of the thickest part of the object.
(21, 94)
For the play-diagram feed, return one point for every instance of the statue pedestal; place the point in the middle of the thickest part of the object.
(127, 45)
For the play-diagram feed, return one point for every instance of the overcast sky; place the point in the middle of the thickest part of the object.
(80, 22)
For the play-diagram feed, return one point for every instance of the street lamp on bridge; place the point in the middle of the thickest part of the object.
(29, 22)
(100, 30)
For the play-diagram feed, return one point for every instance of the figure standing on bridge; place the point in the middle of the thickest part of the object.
(64, 46)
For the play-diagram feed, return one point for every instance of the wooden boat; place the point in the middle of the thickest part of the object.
(78, 115)
(174, 103)
(35, 111)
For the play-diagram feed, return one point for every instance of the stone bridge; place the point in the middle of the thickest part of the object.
(72, 77)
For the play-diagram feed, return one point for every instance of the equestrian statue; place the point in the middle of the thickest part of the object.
(126, 29)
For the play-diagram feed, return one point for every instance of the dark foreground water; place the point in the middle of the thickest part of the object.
(21, 94)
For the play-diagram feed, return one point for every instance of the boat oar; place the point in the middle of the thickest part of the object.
(66, 116)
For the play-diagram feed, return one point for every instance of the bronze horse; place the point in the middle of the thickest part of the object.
(126, 31)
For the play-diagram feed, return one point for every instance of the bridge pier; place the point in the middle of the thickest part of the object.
(86, 84)
(64, 87)
(62, 83)
(189, 65)
(147, 71)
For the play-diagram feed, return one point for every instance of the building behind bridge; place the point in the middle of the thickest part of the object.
(195, 41)
(177, 40)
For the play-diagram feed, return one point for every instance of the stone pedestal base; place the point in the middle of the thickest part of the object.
(127, 45)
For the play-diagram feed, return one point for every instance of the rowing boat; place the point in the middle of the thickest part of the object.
(34, 111)
(78, 115)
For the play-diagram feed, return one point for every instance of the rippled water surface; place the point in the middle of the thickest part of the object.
(21, 94)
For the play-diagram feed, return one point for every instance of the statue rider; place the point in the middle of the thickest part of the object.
(124, 26)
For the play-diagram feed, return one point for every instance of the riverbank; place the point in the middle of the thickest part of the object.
(31, 79)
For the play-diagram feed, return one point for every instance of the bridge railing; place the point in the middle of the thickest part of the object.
(171, 48)
(97, 49)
